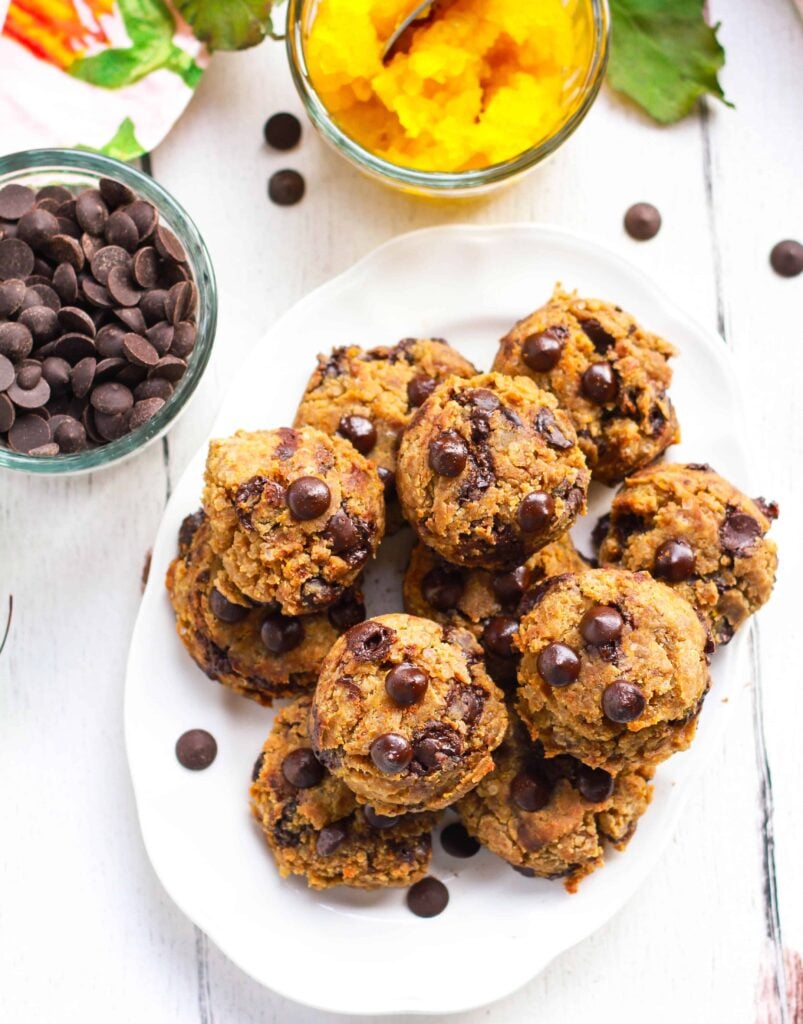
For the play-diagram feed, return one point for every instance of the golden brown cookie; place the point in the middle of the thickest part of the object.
(254, 650)
(314, 826)
(550, 818)
(608, 373)
(486, 603)
(405, 713)
(369, 397)
(698, 533)
(613, 670)
(489, 471)
(294, 515)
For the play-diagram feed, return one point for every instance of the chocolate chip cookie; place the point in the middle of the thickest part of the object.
(253, 649)
(314, 826)
(551, 817)
(294, 515)
(613, 670)
(485, 603)
(490, 472)
(405, 713)
(369, 397)
(698, 533)
(608, 373)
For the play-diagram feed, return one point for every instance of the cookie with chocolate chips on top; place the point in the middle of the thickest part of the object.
(405, 713)
(294, 515)
(614, 668)
(314, 826)
(369, 397)
(485, 603)
(490, 471)
(609, 374)
(699, 534)
(252, 649)
(551, 818)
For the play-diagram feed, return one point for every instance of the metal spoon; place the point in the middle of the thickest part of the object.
(419, 13)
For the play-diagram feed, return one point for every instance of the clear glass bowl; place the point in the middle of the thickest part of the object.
(69, 167)
(460, 183)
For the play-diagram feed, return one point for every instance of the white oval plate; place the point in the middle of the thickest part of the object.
(467, 284)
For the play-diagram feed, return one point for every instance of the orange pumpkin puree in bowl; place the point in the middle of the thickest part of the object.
(476, 84)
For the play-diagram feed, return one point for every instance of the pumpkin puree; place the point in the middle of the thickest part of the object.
(480, 82)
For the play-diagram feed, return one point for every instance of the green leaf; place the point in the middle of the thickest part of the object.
(228, 24)
(123, 145)
(147, 22)
(664, 55)
(113, 69)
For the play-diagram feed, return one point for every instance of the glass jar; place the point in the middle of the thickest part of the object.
(39, 167)
(300, 15)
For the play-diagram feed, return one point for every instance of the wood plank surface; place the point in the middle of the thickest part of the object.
(86, 931)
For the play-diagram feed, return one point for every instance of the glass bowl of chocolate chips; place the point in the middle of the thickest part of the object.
(108, 310)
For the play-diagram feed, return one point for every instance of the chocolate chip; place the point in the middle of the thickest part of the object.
(95, 294)
(406, 684)
(82, 376)
(29, 373)
(152, 306)
(739, 532)
(111, 399)
(370, 641)
(599, 383)
(347, 612)
(536, 511)
(16, 259)
(419, 389)
(184, 335)
(7, 375)
(15, 201)
(308, 498)
(594, 784)
(302, 768)
(196, 749)
(282, 131)
(41, 321)
(642, 221)
(139, 350)
(427, 898)
(170, 368)
(542, 351)
(91, 211)
(457, 842)
(380, 821)
(508, 587)
(286, 188)
(597, 335)
(281, 633)
(65, 282)
(601, 624)
(66, 249)
(388, 478)
(529, 792)
(106, 259)
(16, 341)
(122, 288)
(29, 398)
(442, 587)
(482, 399)
(391, 753)
(558, 664)
(36, 229)
(359, 431)
(674, 561)
(330, 838)
(622, 702)
(70, 435)
(115, 193)
(256, 771)
(154, 388)
(145, 217)
(7, 413)
(342, 532)
(769, 508)
(433, 746)
(76, 320)
(121, 230)
(12, 294)
(448, 454)
(56, 372)
(498, 636)
(547, 425)
(786, 258)
(225, 610)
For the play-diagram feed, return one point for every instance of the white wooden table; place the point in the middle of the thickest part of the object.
(86, 932)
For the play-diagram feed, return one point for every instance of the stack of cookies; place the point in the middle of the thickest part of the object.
(530, 689)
